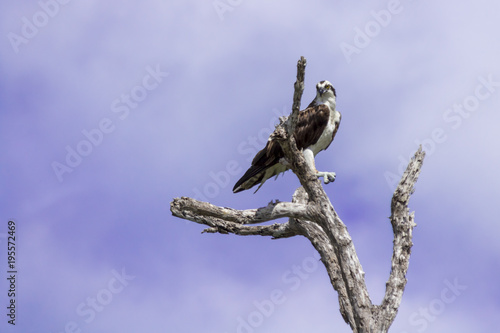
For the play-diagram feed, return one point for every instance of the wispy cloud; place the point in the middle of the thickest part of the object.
(196, 130)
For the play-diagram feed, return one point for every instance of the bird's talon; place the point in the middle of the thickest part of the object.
(328, 177)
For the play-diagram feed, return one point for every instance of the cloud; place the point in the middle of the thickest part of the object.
(227, 80)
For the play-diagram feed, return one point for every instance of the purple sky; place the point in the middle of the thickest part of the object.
(110, 110)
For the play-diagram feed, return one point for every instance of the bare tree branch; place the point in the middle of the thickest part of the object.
(350, 267)
(227, 220)
(402, 225)
(319, 239)
(297, 94)
(284, 135)
(312, 215)
(273, 211)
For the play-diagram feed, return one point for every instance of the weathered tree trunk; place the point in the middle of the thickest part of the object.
(312, 215)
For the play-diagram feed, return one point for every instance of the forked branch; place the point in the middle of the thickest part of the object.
(312, 215)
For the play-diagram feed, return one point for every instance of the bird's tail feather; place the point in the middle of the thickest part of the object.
(252, 177)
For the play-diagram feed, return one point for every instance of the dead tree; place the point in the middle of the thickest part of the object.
(311, 214)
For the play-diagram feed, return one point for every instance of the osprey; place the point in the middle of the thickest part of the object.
(316, 127)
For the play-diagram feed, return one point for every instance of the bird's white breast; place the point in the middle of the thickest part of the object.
(327, 136)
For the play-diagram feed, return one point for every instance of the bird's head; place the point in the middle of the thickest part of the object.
(325, 88)
(325, 93)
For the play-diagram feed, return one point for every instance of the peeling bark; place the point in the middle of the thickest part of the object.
(311, 214)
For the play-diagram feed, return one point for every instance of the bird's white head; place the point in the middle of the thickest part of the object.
(325, 94)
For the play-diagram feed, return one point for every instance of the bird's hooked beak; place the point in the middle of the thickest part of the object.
(321, 91)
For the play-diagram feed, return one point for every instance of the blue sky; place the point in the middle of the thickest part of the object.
(110, 110)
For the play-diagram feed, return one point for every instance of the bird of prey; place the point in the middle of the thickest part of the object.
(316, 127)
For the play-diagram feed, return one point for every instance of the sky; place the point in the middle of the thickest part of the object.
(109, 110)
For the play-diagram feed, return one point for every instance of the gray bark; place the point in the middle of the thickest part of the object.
(312, 215)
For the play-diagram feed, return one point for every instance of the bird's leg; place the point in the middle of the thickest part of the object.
(328, 177)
